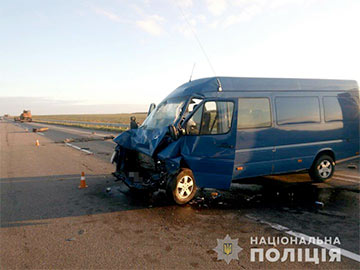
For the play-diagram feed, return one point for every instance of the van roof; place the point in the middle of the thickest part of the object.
(262, 84)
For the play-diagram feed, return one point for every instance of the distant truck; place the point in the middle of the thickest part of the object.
(26, 116)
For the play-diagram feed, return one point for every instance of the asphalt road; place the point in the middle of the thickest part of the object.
(47, 222)
(88, 139)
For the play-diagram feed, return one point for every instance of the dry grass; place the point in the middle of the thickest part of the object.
(88, 126)
(122, 118)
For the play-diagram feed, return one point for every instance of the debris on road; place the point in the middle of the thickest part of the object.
(88, 139)
(320, 204)
(103, 153)
(352, 166)
(43, 129)
(70, 239)
(214, 195)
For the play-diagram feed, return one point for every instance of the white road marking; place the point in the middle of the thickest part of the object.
(344, 252)
(346, 180)
(347, 159)
(87, 151)
(80, 149)
(72, 130)
(346, 175)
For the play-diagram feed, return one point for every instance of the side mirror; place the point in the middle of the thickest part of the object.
(182, 131)
(190, 128)
(151, 108)
(174, 133)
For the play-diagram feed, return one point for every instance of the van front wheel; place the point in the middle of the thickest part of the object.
(182, 189)
(322, 169)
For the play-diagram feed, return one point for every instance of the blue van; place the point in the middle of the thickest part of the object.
(211, 131)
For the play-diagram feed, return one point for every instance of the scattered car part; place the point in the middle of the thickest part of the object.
(40, 129)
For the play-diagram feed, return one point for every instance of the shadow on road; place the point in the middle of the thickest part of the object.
(316, 209)
(27, 199)
(45, 197)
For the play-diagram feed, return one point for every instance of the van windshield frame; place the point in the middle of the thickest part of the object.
(165, 114)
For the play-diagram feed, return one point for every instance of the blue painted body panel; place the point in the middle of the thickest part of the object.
(259, 151)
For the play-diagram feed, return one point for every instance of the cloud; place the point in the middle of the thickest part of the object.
(184, 3)
(245, 15)
(216, 7)
(151, 24)
(187, 30)
(246, 10)
(190, 23)
(111, 16)
(148, 23)
(201, 18)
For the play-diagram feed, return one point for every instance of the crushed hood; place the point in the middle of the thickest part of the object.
(142, 140)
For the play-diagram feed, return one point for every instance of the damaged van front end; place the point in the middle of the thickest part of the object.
(148, 158)
(186, 142)
(138, 163)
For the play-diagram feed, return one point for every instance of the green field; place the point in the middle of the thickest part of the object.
(123, 118)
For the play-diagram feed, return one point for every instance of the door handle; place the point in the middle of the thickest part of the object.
(226, 145)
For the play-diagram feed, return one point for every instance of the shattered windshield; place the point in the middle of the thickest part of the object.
(165, 114)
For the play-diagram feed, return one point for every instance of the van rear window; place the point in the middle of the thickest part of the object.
(297, 110)
(332, 109)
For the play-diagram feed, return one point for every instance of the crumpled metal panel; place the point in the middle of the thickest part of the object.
(142, 140)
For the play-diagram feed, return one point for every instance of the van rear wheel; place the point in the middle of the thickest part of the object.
(322, 169)
(182, 188)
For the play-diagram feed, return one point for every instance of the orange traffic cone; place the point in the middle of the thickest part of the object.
(82, 181)
(37, 143)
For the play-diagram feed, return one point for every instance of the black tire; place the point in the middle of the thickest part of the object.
(182, 188)
(322, 169)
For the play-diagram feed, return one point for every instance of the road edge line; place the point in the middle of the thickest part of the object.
(80, 149)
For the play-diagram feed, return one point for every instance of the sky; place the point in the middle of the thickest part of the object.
(113, 56)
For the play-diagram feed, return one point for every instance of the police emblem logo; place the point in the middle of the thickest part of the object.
(227, 249)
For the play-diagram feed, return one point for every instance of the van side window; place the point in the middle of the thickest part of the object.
(253, 113)
(332, 109)
(193, 104)
(193, 124)
(297, 110)
(216, 117)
